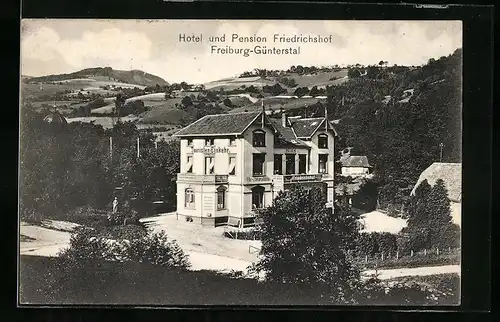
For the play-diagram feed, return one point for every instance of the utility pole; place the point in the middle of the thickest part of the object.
(441, 152)
(138, 154)
(111, 147)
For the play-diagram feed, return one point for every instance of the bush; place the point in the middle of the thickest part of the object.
(375, 242)
(88, 244)
(155, 249)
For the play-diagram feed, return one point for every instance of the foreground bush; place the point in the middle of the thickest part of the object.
(57, 281)
(153, 248)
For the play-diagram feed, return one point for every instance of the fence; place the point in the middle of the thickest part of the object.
(435, 256)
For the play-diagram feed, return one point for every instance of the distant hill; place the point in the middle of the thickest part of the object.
(137, 77)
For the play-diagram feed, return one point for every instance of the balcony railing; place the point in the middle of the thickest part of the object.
(202, 178)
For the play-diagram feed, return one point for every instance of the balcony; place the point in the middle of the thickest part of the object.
(202, 178)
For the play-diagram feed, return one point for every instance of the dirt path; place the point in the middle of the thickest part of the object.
(206, 247)
(415, 271)
(46, 242)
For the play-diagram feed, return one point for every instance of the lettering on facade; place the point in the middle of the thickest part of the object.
(302, 177)
(257, 179)
(291, 151)
(211, 150)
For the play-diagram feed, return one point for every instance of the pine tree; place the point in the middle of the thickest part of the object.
(440, 219)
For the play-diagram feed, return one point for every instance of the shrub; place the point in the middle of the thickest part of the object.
(156, 249)
(375, 242)
(30, 215)
(87, 245)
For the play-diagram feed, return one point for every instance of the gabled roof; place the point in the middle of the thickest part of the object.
(355, 161)
(450, 173)
(306, 128)
(286, 136)
(220, 124)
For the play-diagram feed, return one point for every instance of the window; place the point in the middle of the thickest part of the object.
(258, 164)
(189, 165)
(323, 158)
(259, 138)
(278, 164)
(209, 142)
(257, 197)
(209, 165)
(221, 198)
(290, 163)
(302, 163)
(232, 166)
(189, 198)
(232, 141)
(190, 142)
(323, 141)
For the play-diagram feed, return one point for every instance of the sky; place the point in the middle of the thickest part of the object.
(55, 46)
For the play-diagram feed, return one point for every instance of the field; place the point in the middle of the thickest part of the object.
(276, 103)
(105, 122)
(37, 91)
(320, 79)
(235, 82)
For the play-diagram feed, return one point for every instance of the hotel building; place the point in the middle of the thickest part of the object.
(233, 164)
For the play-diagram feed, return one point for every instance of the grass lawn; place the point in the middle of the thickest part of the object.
(42, 281)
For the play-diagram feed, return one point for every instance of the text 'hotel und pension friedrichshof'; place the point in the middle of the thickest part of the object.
(248, 45)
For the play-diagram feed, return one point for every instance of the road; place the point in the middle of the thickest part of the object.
(205, 246)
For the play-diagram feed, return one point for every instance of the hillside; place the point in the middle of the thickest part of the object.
(399, 121)
(136, 77)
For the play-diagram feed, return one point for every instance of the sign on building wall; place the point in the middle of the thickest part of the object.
(211, 150)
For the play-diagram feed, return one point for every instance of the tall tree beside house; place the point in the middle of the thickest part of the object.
(429, 219)
(305, 245)
(444, 232)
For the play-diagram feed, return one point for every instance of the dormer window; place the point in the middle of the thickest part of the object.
(259, 138)
(323, 141)
(209, 142)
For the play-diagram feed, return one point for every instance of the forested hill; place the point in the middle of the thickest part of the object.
(402, 136)
(137, 77)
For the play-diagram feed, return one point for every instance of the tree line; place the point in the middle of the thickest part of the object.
(66, 167)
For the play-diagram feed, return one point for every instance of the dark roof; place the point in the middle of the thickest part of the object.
(219, 124)
(305, 128)
(237, 123)
(355, 161)
(286, 136)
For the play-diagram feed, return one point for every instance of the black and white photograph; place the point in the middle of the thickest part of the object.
(240, 162)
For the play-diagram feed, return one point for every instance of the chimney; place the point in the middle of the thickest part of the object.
(283, 120)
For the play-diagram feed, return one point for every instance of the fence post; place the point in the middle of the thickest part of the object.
(397, 255)
(411, 253)
(366, 258)
(437, 251)
(425, 252)
(382, 255)
(449, 249)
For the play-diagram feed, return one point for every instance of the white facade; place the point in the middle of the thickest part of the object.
(221, 179)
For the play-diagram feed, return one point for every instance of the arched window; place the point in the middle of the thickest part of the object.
(258, 197)
(323, 141)
(259, 138)
(221, 198)
(189, 198)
